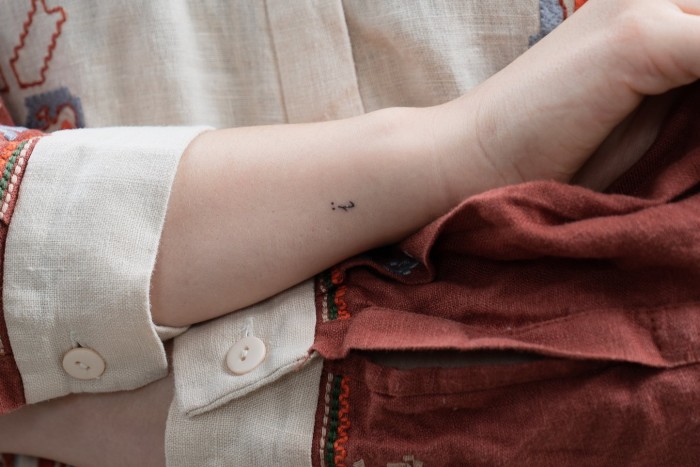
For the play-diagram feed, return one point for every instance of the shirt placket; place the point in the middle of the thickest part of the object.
(315, 62)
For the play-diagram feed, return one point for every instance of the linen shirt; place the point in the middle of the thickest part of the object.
(85, 231)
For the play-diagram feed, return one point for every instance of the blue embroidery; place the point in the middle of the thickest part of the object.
(551, 16)
(54, 110)
(401, 266)
(10, 132)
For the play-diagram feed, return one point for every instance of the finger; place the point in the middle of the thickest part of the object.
(691, 7)
(627, 144)
(684, 45)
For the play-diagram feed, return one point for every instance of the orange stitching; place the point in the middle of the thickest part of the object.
(339, 446)
(7, 149)
(337, 276)
(340, 303)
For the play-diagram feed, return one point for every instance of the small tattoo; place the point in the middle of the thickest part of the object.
(344, 207)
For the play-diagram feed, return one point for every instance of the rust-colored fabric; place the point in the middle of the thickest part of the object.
(5, 118)
(16, 145)
(605, 287)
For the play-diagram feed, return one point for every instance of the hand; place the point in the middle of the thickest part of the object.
(628, 142)
(547, 112)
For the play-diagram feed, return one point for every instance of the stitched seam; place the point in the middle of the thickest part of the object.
(354, 61)
(258, 383)
(326, 410)
(275, 54)
(504, 382)
(560, 319)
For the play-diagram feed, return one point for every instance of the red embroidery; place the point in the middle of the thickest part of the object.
(65, 119)
(564, 9)
(339, 297)
(54, 110)
(27, 27)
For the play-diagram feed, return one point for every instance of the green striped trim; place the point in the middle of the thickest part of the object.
(333, 420)
(330, 289)
(9, 168)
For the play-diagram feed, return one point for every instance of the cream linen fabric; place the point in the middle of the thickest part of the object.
(243, 62)
(259, 418)
(232, 63)
(80, 253)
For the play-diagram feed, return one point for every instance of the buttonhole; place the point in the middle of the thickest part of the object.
(244, 354)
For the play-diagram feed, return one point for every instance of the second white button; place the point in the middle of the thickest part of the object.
(245, 355)
(83, 363)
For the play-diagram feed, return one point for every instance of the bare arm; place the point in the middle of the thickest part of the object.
(255, 210)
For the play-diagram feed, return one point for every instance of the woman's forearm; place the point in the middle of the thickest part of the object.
(256, 210)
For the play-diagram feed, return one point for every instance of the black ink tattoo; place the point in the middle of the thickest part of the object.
(344, 207)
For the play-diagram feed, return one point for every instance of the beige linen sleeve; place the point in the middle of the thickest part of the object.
(246, 387)
(79, 258)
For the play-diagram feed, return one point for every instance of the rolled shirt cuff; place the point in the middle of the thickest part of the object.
(79, 258)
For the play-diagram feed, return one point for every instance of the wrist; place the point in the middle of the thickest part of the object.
(463, 140)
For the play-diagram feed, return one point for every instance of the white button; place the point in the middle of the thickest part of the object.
(83, 363)
(245, 355)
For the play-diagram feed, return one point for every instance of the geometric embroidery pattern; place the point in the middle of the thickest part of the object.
(38, 39)
(552, 13)
(54, 110)
(336, 422)
(333, 305)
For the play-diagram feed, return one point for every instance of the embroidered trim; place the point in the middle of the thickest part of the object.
(336, 422)
(333, 305)
(57, 109)
(16, 145)
(14, 168)
(552, 13)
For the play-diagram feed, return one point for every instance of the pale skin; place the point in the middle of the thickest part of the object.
(264, 202)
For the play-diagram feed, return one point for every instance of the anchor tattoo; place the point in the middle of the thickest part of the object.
(344, 207)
